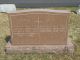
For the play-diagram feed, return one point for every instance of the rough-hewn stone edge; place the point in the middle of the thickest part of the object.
(40, 48)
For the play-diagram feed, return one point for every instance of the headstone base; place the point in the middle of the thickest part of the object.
(40, 48)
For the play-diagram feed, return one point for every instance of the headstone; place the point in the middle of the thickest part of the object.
(38, 30)
(78, 11)
(7, 7)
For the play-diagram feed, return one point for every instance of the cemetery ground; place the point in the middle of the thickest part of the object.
(74, 33)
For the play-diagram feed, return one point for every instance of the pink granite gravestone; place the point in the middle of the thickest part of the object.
(39, 30)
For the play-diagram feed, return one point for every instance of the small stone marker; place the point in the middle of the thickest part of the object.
(39, 30)
(78, 11)
(7, 7)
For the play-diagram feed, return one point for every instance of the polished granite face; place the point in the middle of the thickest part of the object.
(39, 27)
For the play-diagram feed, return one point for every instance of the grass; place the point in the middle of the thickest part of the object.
(74, 33)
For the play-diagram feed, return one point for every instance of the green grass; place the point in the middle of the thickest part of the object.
(74, 33)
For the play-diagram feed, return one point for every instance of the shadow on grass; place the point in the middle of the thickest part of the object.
(8, 39)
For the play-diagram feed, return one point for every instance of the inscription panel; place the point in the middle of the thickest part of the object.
(39, 28)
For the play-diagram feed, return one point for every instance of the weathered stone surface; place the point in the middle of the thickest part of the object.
(39, 30)
(39, 27)
(69, 47)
